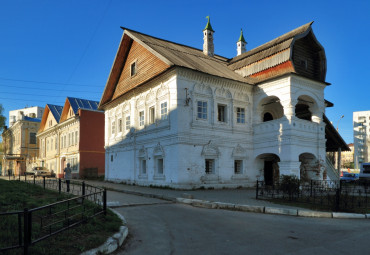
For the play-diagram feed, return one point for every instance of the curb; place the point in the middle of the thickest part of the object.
(187, 199)
(270, 210)
(113, 242)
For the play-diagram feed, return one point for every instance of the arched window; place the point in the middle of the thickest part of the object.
(267, 117)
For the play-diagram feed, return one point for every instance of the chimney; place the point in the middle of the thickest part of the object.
(208, 48)
(241, 44)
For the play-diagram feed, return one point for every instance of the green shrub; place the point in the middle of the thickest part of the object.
(289, 184)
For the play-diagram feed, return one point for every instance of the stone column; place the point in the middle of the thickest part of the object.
(317, 115)
(289, 108)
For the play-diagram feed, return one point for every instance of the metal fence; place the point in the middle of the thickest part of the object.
(26, 228)
(330, 195)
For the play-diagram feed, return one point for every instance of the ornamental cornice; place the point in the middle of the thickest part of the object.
(304, 82)
(52, 131)
(198, 77)
(165, 79)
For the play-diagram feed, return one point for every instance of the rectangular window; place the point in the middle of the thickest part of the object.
(128, 122)
(32, 138)
(160, 165)
(69, 139)
(56, 143)
(164, 111)
(73, 138)
(76, 137)
(133, 69)
(238, 167)
(240, 115)
(151, 115)
(221, 113)
(143, 166)
(119, 125)
(202, 110)
(141, 118)
(113, 127)
(209, 166)
(65, 141)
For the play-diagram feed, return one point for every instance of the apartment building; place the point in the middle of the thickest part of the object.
(361, 137)
(73, 133)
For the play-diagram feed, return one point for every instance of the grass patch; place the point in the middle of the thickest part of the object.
(15, 196)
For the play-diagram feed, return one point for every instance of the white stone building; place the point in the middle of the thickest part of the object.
(361, 137)
(32, 112)
(186, 118)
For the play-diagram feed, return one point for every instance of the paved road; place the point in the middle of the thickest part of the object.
(161, 227)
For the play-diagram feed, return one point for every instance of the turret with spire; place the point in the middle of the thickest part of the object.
(241, 44)
(208, 48)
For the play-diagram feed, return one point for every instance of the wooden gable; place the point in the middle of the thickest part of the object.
(67, 112)
(120, 80)
(48, 120)
(147, 66)
(309, 57)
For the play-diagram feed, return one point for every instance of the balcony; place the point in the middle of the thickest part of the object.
(270, 130)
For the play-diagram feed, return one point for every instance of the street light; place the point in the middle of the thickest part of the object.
(341, 117)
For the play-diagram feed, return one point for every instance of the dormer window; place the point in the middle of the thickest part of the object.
(133, 69)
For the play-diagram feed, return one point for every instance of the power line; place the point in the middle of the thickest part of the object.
(74, 91)
(89, 42)
(47, 82)
(30, 100)
(38, 95)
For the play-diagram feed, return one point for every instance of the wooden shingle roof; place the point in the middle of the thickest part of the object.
(175, 54)
(268, 49)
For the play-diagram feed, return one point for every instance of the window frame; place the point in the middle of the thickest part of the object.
(133, 68)
(141, 118)
(203, 114)
(33, 138)
(240, 115)
(152, 114)
(212, 168)
(164, 110)
(240, 171)
(127, 118)
(222, 113)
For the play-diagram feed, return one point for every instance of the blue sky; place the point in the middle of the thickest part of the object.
(53, 49)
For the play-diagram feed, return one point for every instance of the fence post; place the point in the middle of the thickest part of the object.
(83, 188)
(26, 235)
(20, 229)
(19, 176)
(311, 189)
(25, 177)
(60, 185)
(44, 181)
(337, 200)
(105, 201)
(34, 179)
(257, 190)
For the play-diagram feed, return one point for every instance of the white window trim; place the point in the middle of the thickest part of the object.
(163, 116)
(207, 111)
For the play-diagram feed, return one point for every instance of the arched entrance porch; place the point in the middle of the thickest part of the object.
(269, 167)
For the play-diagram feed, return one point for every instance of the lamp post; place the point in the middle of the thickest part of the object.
(341, 117)
(339, 159)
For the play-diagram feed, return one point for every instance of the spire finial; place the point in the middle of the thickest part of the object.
(208, 26)
(241, 37)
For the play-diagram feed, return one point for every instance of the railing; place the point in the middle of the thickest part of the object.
(37, 224)
(331, 170)
(326, 195)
